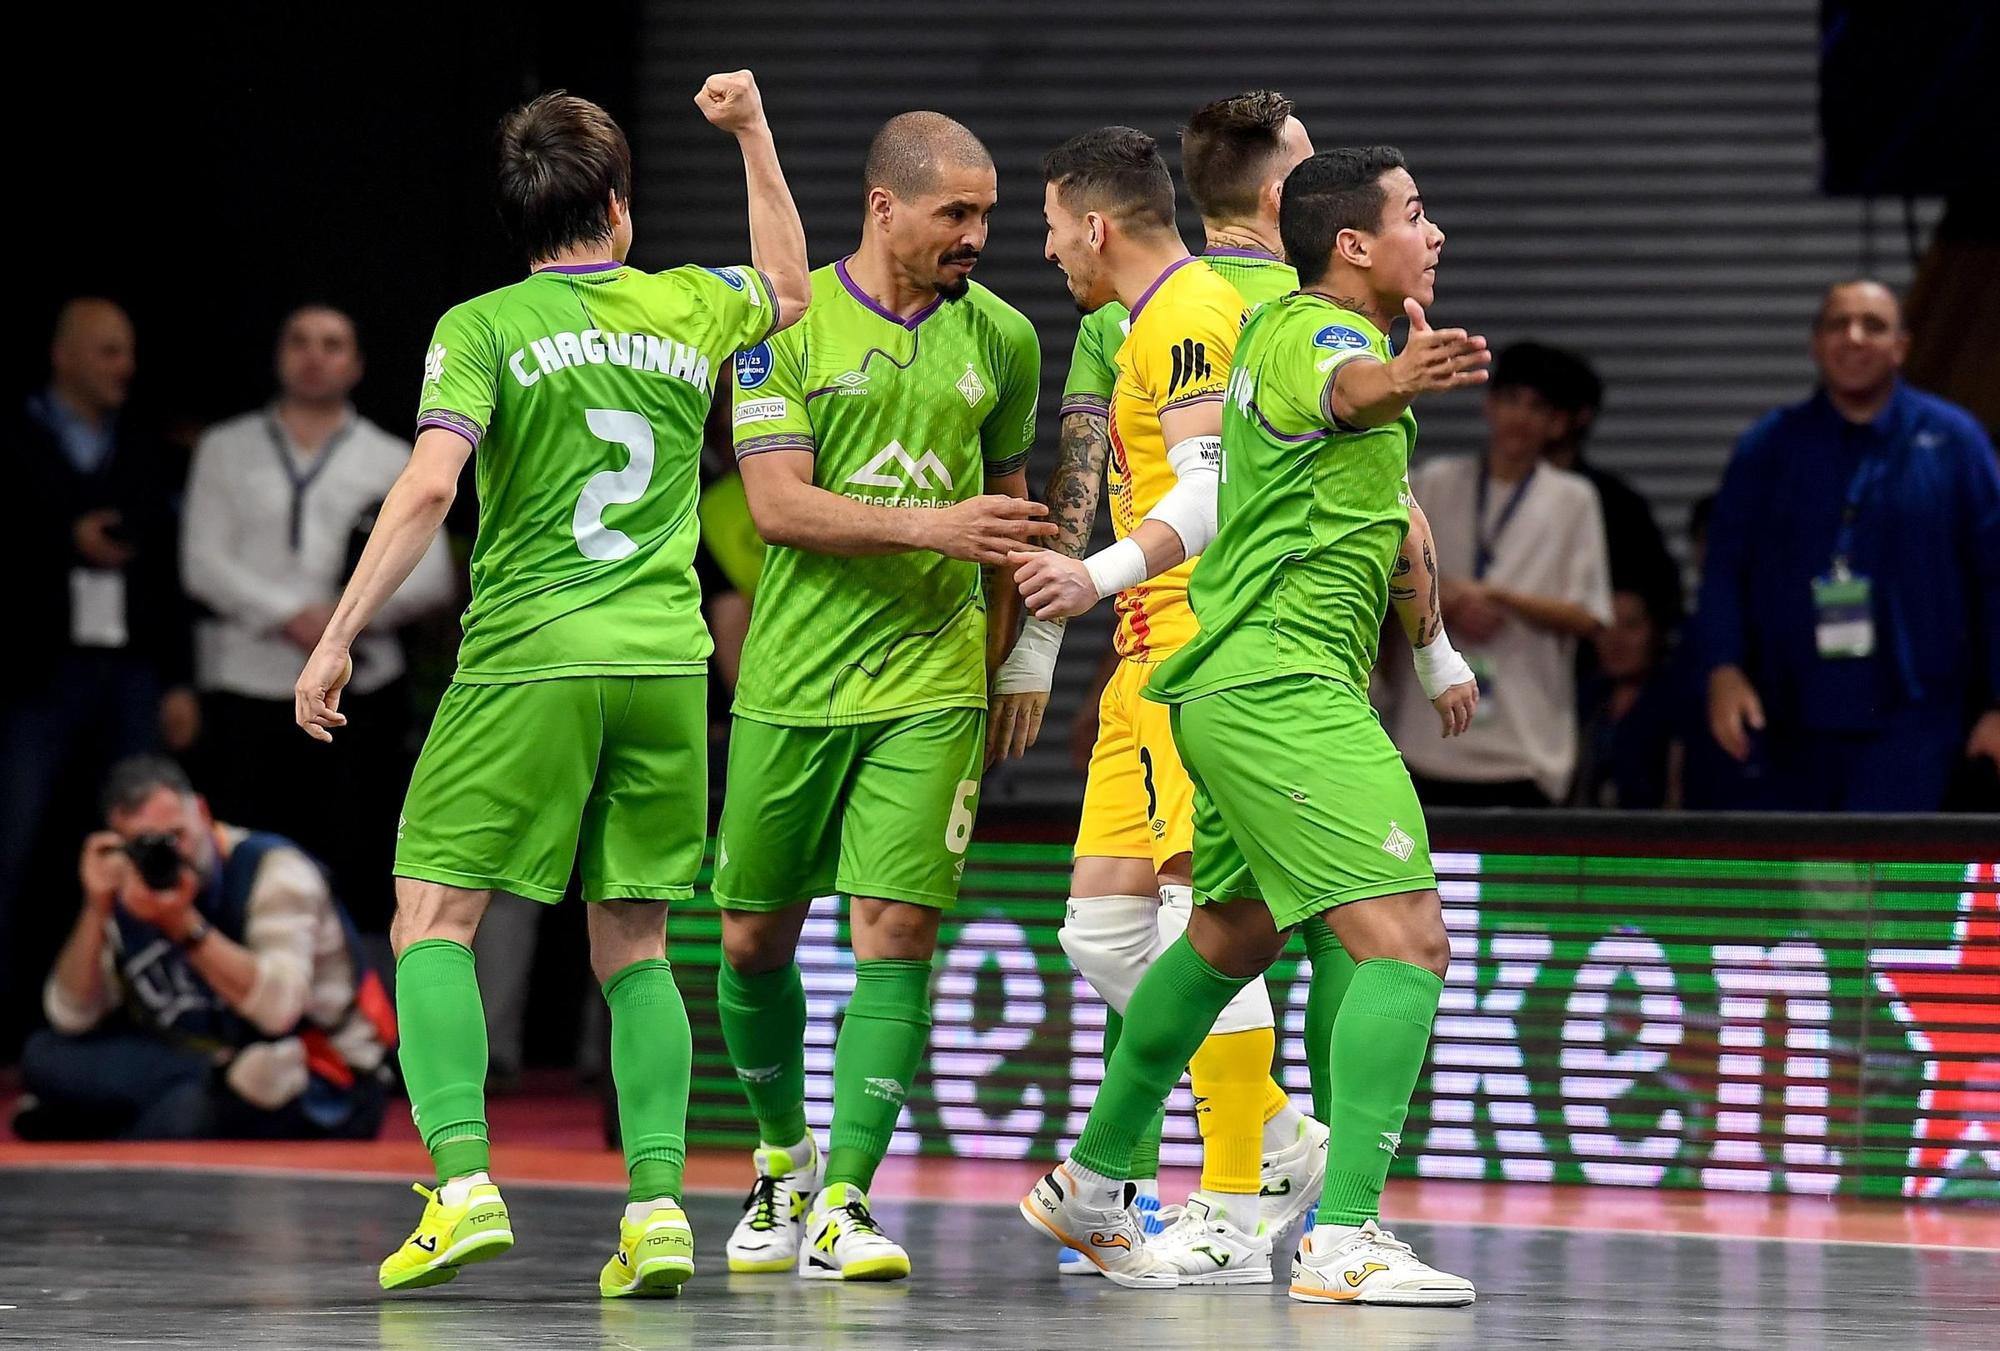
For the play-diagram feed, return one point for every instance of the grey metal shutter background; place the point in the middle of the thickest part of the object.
(1630, 178)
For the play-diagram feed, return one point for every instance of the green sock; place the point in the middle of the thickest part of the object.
(1145, 1154)
(443, 1053)
(764, 1026)
(881, 1040)
(1332, 971)
(652, 1056)
(1378, 1050)
(1173, 1009)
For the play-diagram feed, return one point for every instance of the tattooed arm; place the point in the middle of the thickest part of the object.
(1021, 691)
(1413, 591)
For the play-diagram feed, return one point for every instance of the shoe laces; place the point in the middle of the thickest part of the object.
(762, 1204)
(1382, 1238)
(860, 1220)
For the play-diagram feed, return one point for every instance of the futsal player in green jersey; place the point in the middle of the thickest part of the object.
(1304, 813)
(1122, 911)
(577, 715)
(882, 445)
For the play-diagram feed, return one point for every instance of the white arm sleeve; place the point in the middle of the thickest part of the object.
(1189, 506)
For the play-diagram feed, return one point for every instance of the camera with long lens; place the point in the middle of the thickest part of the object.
(157, 860)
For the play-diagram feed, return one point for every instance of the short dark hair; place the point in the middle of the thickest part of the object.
(561, 159)
(911, 148)
(1227, 148)
(136, 778)
(1332, 191)
(1562, 377)
(1116, 170)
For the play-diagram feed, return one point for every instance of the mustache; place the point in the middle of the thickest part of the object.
(959, 256)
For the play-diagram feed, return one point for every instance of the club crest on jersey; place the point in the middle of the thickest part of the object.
(753, 366)
(434, 364)
(971, 386)
(1341, 338)
(1399, 843)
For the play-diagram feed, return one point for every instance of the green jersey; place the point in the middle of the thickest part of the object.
(1310, 513)
(584, 390)
(1093, 364)
(895, 412)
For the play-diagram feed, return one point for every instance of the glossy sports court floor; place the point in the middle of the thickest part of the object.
(244, 1246)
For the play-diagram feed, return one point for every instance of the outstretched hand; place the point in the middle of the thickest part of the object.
(1437, 359)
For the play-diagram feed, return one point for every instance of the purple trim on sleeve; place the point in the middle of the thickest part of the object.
(1258, 254)
(867, 301)
(1158, 282)
(771, 299)
(452, 422)
(1286, 437)
(578, 269)
(1335, 420)
(758, 445)
(1085, 403)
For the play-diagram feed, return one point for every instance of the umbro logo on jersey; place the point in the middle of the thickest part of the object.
(1399, 843)
(1190, 365)
(925, 474)
(889, 1090)
(971, 386)
(852, 382)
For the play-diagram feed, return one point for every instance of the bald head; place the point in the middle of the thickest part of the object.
(912, 153)
(1860, 293)
(91, 355)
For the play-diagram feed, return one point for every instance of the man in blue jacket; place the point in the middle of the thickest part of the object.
(1850, 612)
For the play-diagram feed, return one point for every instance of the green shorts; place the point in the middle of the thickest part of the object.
(883, 809)
(514, 777)
(1301, 800)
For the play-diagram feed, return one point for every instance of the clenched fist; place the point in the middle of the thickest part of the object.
(731, 102)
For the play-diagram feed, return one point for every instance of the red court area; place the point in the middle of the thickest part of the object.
(551, 1137)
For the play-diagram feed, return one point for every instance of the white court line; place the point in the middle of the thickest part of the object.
(542, 1184)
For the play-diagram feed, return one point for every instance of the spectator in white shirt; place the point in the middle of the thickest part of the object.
(1525, 575)
(278, 504)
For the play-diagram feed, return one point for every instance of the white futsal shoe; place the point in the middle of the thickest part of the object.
(774, 1213)
(1292, 1177)
(843, 1242)
(1369, 1265)
(1110, 1236)
(1205, 1246)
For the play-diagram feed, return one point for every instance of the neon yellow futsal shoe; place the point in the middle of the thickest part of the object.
(655, 1254)
(464, 1221)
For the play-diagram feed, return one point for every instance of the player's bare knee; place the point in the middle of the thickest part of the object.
(624, 932)
(428, 910)
(755, 942)
(1237, 938)
(893, 930)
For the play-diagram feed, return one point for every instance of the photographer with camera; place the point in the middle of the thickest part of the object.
(212, 988)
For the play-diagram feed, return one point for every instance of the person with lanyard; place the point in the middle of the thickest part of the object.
(1525, 575)
(1852, 636)
(277, 502)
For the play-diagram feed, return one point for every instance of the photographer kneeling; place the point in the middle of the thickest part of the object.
(211, 989)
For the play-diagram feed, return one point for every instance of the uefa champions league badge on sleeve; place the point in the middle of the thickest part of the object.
(1341, 338)
(753, 366)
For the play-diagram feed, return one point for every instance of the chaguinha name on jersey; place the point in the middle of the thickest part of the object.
(591, 347)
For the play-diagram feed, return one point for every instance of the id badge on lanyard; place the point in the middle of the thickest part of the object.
(1843, 613)
(1843, 602)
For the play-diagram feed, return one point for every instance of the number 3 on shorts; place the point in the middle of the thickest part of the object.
(613, 487)
(958, 830)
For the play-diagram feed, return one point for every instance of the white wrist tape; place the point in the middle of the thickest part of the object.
(1118, 567)
(1031, 667)
(1439, 666)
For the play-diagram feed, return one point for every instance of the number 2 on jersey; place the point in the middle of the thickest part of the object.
(613, 487)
